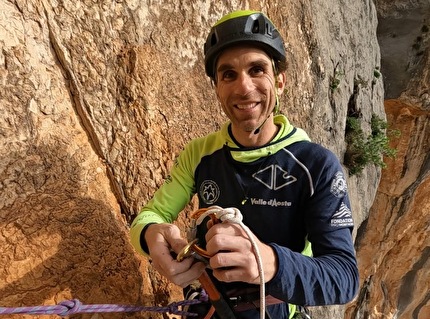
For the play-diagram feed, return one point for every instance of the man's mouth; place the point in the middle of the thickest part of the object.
(247, 106)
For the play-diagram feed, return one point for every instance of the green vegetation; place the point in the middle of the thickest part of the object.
(377, 73)
(362, 150)
(335, 80)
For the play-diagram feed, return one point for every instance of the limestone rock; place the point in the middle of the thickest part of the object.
(97, 99)
(393, 245)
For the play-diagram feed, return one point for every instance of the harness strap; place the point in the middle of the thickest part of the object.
(242, 304)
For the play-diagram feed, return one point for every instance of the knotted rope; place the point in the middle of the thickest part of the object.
(233, 215)
(74, 306)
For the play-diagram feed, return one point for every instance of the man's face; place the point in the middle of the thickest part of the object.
(246, 87)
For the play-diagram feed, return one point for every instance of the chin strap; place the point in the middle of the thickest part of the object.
(275, 72)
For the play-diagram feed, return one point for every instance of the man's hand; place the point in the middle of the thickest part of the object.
(162, 239)
(233, 258)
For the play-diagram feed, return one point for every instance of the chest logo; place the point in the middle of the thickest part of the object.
(274, 177)
(209, 192)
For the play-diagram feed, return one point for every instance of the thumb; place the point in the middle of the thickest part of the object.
(174, 238)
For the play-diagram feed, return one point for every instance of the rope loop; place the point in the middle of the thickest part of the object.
(173, 308)
(230, 214)
(204, 297)
(72, 307)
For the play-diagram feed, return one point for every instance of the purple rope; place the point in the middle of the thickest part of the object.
(71, 307)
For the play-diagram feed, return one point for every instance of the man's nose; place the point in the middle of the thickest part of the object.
(244, 83)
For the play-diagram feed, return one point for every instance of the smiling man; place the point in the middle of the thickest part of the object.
(286, 187)
(247, 89)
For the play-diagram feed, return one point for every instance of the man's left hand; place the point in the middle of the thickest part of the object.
(233, 257)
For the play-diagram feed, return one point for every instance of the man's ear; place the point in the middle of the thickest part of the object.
(281, 81)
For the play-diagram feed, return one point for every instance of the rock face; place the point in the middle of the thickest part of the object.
(393, 245)
(98, 98)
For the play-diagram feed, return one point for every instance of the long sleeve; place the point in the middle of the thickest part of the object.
(167, 201)
(331, 278)
(179, 187)
(330, 275)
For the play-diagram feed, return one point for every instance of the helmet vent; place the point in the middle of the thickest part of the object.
(214, 39)
(256, 27)
(269, 30)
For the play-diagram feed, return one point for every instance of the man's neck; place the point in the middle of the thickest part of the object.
(265, 134)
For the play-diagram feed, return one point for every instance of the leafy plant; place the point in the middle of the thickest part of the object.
(377, 73)
(363, 150)
(335, 80)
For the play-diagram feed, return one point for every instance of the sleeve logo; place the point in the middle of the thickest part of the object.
(342, 217)
(338, 186)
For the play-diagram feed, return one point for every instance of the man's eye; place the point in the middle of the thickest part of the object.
(257, 70)
(228, 75)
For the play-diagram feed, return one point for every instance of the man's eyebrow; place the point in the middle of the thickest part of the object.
(260, 62)
(227, 66)
(224, 67)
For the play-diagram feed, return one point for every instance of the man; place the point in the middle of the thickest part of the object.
(291, 192)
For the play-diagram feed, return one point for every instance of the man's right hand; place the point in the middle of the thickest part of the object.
(164, 238)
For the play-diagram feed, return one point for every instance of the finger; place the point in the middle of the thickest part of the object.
(231, 260)
(225, 229)
(172, 267)
(192, 275)
(173, 237)
(186, 277)
(244, 274)
(220, 242)
(234, 266)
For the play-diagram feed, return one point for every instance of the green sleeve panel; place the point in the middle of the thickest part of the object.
(178, 188)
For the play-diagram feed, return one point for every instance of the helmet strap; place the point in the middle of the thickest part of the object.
(275, 72)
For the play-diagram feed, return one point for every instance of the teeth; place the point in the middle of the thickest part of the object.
(246, 106)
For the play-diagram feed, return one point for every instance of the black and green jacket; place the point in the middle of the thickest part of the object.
(291, 192)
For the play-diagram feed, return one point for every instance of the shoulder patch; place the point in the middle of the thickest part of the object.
(342, 217)
(338, 185)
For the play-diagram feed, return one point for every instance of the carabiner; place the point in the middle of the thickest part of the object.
(192, 249)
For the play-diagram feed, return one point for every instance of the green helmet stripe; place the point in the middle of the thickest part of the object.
(235, 14)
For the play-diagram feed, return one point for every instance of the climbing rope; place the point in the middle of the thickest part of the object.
(74, 306)
(233, 215)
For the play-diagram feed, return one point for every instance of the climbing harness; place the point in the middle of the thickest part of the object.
(218, 214)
